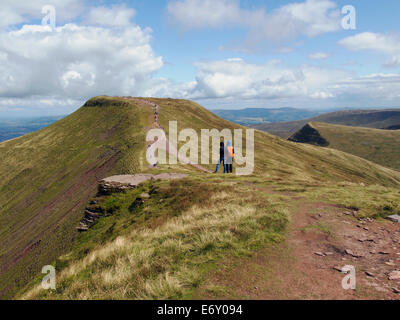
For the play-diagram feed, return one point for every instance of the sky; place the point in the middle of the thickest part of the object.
(224, 54)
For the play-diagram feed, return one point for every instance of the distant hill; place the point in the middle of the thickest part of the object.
(252, 116)
(13, 128)
(379, 119)
(379, 146)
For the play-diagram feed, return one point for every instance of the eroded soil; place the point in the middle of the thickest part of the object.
(321, 240)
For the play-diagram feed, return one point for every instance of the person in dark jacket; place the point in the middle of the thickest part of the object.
(221, 157)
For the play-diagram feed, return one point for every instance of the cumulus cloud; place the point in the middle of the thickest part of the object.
(75, 62)
(116, 16)
(240, 83)
(388, 44)
(61, 68)
(236, 79)
(310, 18)
(268, 81)
(168, 88)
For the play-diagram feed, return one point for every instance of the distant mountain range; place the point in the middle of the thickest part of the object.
(388, 119)
(282, 122)
(373, 134)
(252, 116)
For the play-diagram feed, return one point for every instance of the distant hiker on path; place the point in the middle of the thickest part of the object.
(221, 157)
(228, 159)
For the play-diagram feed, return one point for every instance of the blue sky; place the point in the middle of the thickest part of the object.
(220, 53)
(184, 48)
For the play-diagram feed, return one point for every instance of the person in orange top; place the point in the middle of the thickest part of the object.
(229, 155)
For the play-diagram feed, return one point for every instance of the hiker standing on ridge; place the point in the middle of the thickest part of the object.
(229, 154)
(221, 157)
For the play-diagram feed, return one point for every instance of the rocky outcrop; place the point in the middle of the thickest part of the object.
(89, 219)
(394, 218)
(121, 183)
(116, 184)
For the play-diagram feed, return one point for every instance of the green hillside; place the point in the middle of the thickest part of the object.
(48, 177)
(379, 146)
(379, 119)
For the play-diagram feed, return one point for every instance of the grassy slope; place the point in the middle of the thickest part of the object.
(163, 249)
(379, 146)
(46, 178)
(279, 159)
(379, 119)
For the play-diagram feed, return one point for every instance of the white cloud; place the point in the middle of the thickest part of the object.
(393, 63)
(117, 15)
(234, 78)
(388, 44)
(315, 16)
(372, 41)
(21, 11)
(62, 68)
(386, 87)
(322, 95)
(75, 62)
(234, 82)
(310, 18)
(269, 80)
(318, 56)
(163, 87)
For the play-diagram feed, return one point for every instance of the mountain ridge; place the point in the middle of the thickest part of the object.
(375, 118)
(49, 176)
(251, 116)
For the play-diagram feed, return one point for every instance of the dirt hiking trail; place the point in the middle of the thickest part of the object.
(160, 144)
(321, 240)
